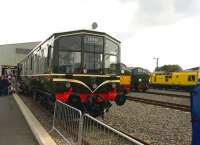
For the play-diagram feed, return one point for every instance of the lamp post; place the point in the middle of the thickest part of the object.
(157, 59)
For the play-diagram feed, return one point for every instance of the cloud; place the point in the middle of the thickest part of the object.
(187, 8)
(151, 13)
(174, 44)
(154, 12)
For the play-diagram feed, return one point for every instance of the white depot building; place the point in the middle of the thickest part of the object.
(11, 54)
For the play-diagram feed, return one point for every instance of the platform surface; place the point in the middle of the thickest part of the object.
(14, 129)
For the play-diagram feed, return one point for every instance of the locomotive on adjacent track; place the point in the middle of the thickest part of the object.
(139, 79)
(78, 68)
(183, 80)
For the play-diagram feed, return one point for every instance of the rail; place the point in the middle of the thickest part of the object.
(167, 94)
(180, 107)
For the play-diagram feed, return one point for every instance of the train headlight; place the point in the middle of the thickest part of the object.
(139, 80)
(68, 84)
(122, 71)
(94, 86)
(114, 85)
(84, 70)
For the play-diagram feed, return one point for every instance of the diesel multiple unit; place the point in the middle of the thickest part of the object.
(78, 68)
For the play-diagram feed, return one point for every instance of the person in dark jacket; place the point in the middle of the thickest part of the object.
(5, 84)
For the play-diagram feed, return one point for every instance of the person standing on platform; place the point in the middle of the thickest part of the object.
(6, 84)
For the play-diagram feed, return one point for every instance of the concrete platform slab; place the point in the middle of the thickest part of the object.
(14, 129)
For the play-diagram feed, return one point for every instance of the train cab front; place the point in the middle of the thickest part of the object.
(89, 61)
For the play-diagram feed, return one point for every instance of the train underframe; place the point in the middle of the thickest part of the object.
(96, 104)
(172, 87)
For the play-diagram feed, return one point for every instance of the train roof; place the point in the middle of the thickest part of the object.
(83, 31)
(86, 31)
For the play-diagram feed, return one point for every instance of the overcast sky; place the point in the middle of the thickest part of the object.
(168, 29)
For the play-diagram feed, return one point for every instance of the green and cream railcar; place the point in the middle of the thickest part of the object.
(76, 67)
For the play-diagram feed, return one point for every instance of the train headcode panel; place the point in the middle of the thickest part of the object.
(80, 68)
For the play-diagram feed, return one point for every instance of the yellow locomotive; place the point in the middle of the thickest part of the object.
(178, 80)
(125, 77)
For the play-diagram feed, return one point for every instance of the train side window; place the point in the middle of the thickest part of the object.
(189, 78)
(177, 76)
(49, 55)
(31, 63)
(193, 78)
(155, 79)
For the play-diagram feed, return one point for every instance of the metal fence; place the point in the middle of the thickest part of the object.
(79, 129)
(67, 121)
(96, 132)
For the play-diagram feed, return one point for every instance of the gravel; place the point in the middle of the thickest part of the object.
(164, 98)
(155, 125)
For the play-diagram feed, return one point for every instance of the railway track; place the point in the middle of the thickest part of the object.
(168, 94)
(139, 140)
(143, 142)
(180, 107)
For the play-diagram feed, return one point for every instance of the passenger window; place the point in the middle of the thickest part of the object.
(193, 78)
(31, 63)
(189, 78)
(49, 55)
